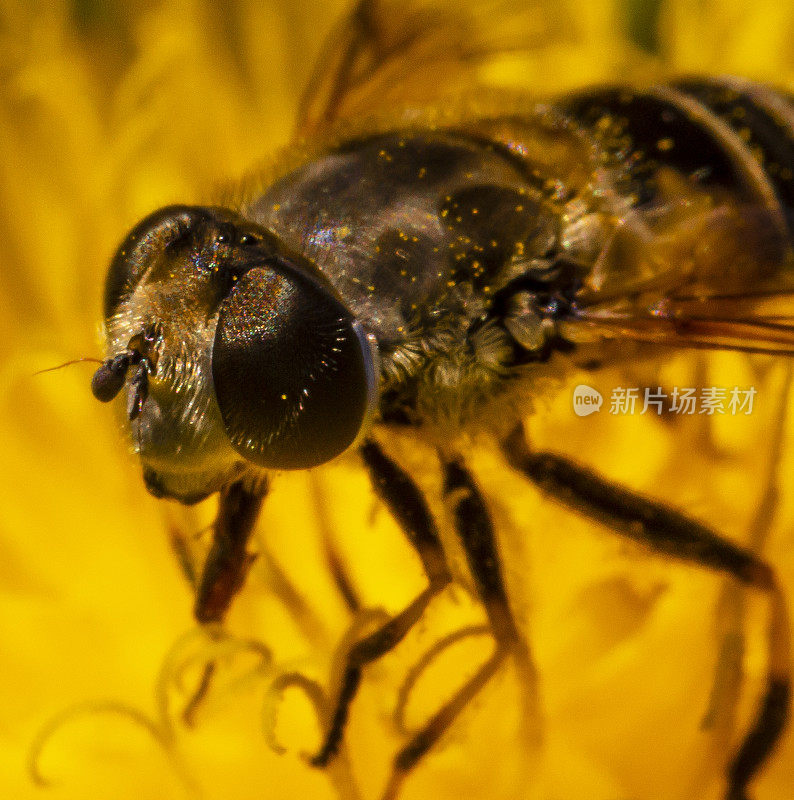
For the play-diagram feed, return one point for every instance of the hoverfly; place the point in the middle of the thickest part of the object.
(418, 271)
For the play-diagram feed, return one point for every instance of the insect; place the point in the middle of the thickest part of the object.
(421, 271)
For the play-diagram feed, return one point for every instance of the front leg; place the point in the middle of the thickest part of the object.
(668, 531)
(228, 560)
(225, 568)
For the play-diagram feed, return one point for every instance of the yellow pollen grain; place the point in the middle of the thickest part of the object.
(665, 145)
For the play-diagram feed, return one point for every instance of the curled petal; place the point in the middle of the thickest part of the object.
(421, 666)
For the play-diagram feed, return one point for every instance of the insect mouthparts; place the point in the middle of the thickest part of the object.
(142, 353)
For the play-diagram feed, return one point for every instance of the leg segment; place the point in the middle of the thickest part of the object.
(228, 561)
(408, 507)
(670, 532)
(435, 727)
(474, 526)
(720, 714)
(225, 569)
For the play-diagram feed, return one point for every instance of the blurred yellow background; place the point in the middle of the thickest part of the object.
(110, 109)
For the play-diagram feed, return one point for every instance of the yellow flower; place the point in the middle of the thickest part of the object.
(108, 110)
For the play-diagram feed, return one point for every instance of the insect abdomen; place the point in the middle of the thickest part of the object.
(721, 133)
(763, 119)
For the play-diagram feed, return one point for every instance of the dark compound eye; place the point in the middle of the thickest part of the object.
(146, 241)
(248, 239)
(293, 374)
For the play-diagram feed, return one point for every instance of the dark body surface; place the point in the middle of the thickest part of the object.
(447, 243)
(473, 253)
(419, 232)
(470, 258)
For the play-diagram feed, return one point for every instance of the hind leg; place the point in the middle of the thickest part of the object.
(667, 531)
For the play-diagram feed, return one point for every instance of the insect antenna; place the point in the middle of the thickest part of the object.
(68, 364)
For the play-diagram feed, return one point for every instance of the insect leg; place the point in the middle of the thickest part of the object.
(433, 730)
(408, 507)
(228, 561)
(474, 526)
(721, 712)
(475, 529)
(670, 532)
(225, 568)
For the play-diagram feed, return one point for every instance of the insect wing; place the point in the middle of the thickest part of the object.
(679, 328)
(389, 53)
(735, 293)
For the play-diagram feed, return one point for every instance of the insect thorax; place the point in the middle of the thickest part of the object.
(433, 238)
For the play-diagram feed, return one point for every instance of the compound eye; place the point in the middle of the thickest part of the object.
(293, 374)
(143, 244)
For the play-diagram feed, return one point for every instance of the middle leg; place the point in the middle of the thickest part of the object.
(407, 505)
(475, 529)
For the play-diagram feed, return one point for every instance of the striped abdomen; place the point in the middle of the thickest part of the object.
(721, 132)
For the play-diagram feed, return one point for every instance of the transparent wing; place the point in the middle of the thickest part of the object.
(722, 282)
(387, 53)
(711, 327)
